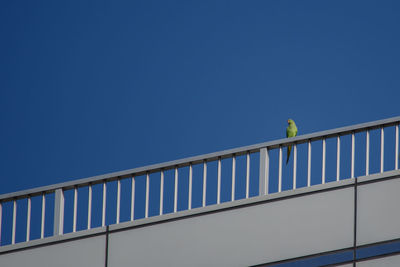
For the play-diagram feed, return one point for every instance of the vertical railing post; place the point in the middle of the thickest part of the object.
(382, 148)
(353, 149)
(58, 212)
(133, 198)
(74, 219)
(280, 170)
(43, 215)
(118, 199)
(367, 154)
(103, 212)
(338, 158)
(204, 182)
(89, 217)
(28, 219)
(247, 174)
(294, 166)
(146, 212)
(323, 159)
(396, 157)
(264, 171)
(309, 164)
(190, 186)
(14, 222)
(176, 189)
(162, 192)
(219, 181)
(233, 177)
(1, 214)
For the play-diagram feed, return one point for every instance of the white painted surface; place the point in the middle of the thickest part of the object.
(264, 233)
(88, 252)
(378, 212)
(392, 261)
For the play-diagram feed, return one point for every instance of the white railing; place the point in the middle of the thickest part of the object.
(155, 190)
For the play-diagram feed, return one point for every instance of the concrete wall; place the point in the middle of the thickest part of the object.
(241, 237)
(378, 212)
(83, 252)
(391, 261)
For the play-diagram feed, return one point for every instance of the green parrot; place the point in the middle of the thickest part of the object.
(291, 131)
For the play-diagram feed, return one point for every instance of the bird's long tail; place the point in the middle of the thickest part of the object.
(289, 149)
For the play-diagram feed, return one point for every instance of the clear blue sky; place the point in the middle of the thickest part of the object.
(90, 87)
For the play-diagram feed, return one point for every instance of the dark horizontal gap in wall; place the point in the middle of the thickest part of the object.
(332, 258)
(378, 250)
(320, 259)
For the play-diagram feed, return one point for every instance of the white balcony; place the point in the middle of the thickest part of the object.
(239, 207)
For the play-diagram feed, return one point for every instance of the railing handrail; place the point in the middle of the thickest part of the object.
(200, 158)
